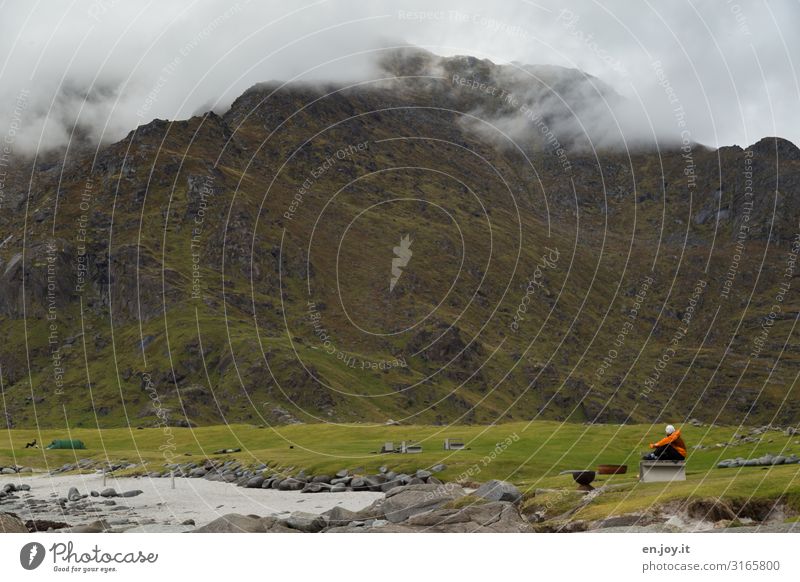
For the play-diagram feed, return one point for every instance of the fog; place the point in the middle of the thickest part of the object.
(725, 73)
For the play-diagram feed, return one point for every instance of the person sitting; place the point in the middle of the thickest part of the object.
(670, 448)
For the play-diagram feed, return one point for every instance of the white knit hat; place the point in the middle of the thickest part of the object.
(670, 429)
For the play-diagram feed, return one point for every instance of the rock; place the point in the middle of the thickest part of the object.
(359, 484)
(255, 482)
(233, 523)
(779, 460)
(433, 480)
(26, 487)
(499, 517)
(73, 494)
(131, 493)
(339, 516)
(312, 487)
(305, 522)
(628, 520)
(374, 482)
(94, 493)
(343, 473)
(109, 492)
(7, 471)
(383, 469)
(342, 480)
(339, 488)
(199, 472)
(322, 479)
(100, 526)
(422, 474)
(188, 522)
(11, 523)
(389, 485)
(765, 460)
(403, 502)
(495, 490)
(43, 525)
(438, 468)
(291, 484)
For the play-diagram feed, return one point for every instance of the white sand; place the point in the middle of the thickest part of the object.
(160, 508)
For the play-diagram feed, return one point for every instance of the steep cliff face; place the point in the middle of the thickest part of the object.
(243, 267)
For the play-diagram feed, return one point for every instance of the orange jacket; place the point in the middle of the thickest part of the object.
(675, 440)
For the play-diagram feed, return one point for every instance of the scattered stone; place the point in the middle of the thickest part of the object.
(109, 492)
(132, 493)
(100, 526)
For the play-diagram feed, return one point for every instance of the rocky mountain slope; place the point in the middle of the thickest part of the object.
(239, 267)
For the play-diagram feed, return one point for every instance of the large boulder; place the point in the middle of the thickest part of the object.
(495, 490)
(233, 523)
(497, 517)
(404, 502)
(305, 522)
(237, 523)
(10, 523)
(339, 516)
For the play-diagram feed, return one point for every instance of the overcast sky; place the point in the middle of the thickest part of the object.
(115, 65)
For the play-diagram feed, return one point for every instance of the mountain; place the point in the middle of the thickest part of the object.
(459, 241)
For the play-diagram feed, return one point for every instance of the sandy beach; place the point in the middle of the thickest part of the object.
(159, 508)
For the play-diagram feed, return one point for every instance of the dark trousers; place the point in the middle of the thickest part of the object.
(667, 453)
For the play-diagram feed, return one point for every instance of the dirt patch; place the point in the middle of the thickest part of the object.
(711, 509)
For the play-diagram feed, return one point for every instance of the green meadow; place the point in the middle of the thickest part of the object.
(531, 455)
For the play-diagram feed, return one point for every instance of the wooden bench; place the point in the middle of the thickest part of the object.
(662, 471)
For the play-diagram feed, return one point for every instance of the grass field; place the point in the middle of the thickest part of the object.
(530, 455)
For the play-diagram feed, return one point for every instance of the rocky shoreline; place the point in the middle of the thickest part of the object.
(202, 506)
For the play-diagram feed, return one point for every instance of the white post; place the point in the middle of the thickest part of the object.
(104, 476)
(172, 479)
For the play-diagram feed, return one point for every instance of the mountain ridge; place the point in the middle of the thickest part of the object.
(180, 275)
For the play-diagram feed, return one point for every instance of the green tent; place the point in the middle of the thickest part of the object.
(66, 444)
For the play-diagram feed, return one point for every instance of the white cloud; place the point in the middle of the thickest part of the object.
(113, 65)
